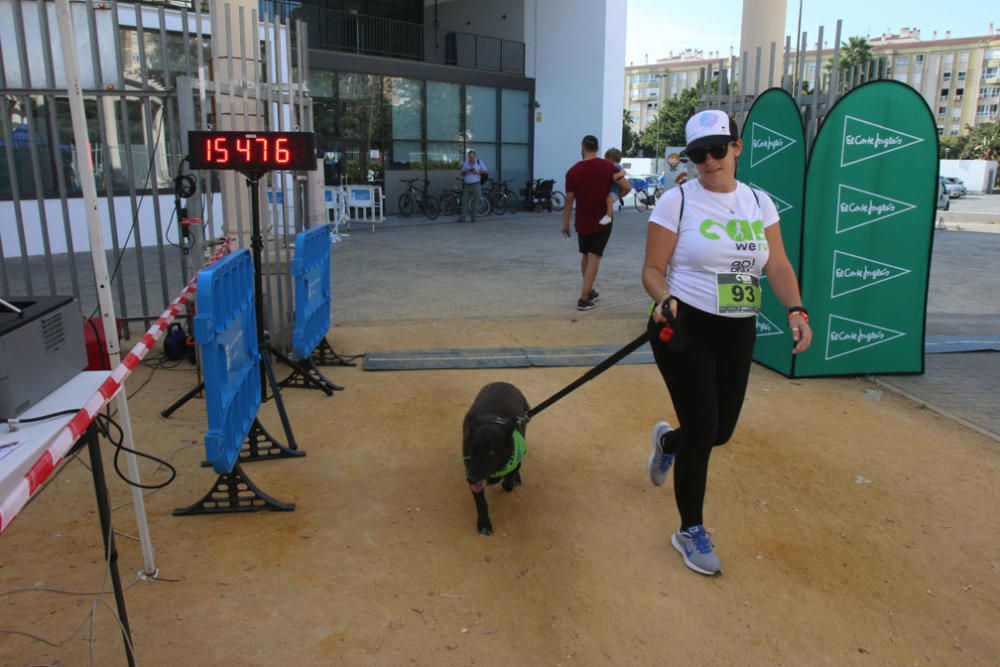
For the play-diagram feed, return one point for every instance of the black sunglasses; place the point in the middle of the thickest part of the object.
(699, 155)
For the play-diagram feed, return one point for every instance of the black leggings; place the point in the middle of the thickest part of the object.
(706, 372)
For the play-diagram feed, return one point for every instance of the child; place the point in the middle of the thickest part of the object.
(614, 156)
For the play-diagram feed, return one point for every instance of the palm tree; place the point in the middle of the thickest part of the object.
(855, 51)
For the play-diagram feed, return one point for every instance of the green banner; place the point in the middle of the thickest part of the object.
(773, 161)
(870, 196)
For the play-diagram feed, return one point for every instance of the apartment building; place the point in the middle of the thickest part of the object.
(958, 77)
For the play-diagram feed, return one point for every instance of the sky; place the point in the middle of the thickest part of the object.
(656, 27)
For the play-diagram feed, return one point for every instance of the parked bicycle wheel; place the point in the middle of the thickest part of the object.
(496, 202)
(641, 203)
(511, 202)
(406, 205)
(485, 207)
(432, 207)
(558, 200)
(450, 203)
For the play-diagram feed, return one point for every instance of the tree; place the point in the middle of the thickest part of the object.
(951, 148)
(667, 129)
(630, 140)
(983, 142)
(855, 51)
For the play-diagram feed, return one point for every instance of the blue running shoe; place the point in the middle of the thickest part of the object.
(695, 546)
(659, 460)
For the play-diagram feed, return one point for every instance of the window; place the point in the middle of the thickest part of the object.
(949, 58)
(961, 76)
(920, 59)
(481, 113)
(940, 130)
(902, 61)
(992, 91)
(990, 72)
(652, 105)
(963, 57)
(958, 93)
(946, 76)
(942, 111)
(992, 54)
(953, 131)
(944, 93)
(956, 113)
(652, 92)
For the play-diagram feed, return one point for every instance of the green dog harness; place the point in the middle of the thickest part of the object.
(520, 449)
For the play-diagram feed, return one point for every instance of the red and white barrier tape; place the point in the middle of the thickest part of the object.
(69, 434)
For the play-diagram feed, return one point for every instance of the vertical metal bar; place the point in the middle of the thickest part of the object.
(233, 176)
(729, 83)
(800, 75)
(742, 90)
(54, 151)
(130, 172)
(169, 99)
(814, 121)
(204, 179)
(285, 286)
(270, 68)
(770, 67)
(102, 127)
(153, 141)
(756, 74)
(835, 69)
(785, 79)
(36, 169)
(15, 192)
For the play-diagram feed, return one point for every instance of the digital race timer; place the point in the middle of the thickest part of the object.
(252, 152)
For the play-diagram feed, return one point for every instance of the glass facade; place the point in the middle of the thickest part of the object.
(380, 129)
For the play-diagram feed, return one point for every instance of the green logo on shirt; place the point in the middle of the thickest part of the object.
(746, 234)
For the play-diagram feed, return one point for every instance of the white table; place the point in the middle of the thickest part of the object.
(34, 439)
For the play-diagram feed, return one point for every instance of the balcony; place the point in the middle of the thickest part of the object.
(350, 32)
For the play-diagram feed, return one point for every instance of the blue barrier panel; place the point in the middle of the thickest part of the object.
(311, 271)
(226, 330)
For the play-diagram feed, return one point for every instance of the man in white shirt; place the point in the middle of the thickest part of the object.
(472, 171)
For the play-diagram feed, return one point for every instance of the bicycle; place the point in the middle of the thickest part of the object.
(451, 201)
(643, 197)
(501, 197)
(414, 199)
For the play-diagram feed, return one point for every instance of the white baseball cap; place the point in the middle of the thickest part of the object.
(709, 128)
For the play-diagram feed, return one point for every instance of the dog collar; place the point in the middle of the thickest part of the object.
(520, 449)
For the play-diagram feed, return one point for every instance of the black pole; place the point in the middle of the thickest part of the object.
(257, 243)
(110, 550)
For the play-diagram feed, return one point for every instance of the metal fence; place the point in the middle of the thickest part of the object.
(148, 75)
(814, 94)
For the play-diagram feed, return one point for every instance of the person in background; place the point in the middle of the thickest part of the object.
(614, 156)
(472, 171)
(708, 241)
(588, 184)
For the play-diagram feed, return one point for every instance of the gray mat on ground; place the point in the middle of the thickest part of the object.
(585, 355)
(499, 357)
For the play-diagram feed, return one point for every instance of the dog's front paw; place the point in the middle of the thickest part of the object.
(485, 527)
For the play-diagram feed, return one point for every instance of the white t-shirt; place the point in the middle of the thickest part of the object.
(719, 234)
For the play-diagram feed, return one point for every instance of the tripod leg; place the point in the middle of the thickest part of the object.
(276, 392)
(175, 406)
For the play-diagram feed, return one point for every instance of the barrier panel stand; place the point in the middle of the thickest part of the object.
(311, 272)
(225, 330)
(254, 154)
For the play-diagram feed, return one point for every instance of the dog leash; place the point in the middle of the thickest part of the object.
(666, 333)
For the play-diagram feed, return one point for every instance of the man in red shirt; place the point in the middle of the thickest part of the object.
(588, 183)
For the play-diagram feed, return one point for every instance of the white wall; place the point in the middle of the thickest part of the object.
(78, 223)
(577, 56)
(978, 175)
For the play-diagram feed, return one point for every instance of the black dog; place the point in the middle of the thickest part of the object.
(488, 444)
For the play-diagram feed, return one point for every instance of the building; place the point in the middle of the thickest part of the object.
(403, 88)
(958, 77)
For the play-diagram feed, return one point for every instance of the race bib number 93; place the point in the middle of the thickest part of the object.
(737, 293)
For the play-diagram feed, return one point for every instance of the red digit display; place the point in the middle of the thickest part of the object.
(252, 152)
(281, 153)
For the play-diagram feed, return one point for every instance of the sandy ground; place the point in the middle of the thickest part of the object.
(853, 530)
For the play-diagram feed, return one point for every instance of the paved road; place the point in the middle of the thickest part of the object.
(519, 267)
